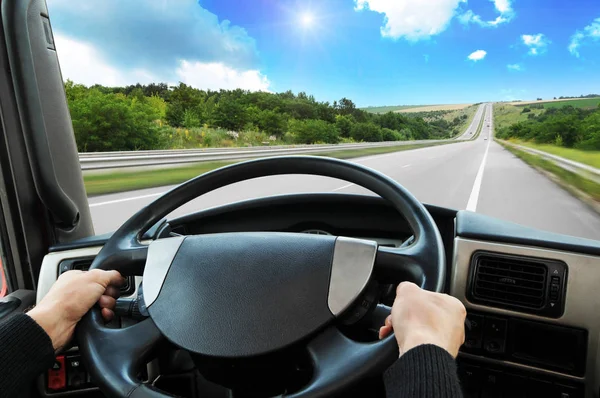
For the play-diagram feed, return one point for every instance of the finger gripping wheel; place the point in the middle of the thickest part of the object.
(240, 296)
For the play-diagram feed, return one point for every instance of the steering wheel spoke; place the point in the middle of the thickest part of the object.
(334, 354)
(412, 263)
(124, 352)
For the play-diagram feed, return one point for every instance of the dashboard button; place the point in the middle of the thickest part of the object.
(494, 335)
(474, 335)
(57, 376)
(493, 384)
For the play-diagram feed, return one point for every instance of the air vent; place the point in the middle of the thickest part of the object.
(517, 282)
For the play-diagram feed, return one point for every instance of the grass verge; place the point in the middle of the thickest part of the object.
(591, 158)
(121, 181)
(586, 190)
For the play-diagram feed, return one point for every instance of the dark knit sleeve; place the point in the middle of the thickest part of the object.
(426, 371)
(25, 352)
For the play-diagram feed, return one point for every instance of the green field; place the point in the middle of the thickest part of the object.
(591, 158)
(506, 115)
(577, 103)
(121, 181)
(386, 109)
(469, 111)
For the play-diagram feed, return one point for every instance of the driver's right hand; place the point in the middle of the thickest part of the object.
(423, 317)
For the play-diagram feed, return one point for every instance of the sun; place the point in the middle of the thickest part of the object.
(307, 19)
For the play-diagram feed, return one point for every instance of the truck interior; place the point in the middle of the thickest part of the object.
(239, 301)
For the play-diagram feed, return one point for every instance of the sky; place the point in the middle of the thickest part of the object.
(375, 52)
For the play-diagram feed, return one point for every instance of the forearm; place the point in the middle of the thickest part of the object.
(426, 371)
(25, 352)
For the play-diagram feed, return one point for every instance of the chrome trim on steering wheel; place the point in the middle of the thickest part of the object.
(351, 269)
(161, 253)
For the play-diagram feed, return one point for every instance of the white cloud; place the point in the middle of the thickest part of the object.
(154, 34)
(590, 33)
(215, 75)
(477, 55)
(515, 67)
(410, 19)
(504, 7)
(537, 43)
(82, 63)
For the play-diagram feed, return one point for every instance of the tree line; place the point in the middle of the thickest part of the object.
(158, 116)
(564, 126)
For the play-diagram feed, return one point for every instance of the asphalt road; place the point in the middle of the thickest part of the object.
(476, 175)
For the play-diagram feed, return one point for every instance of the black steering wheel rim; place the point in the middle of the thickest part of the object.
(113, 364)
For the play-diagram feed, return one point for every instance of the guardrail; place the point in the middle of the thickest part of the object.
(584, 170)
(114, 160)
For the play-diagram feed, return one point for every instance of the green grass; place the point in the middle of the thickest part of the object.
(121, 181)
(386, 109)
(591, 158)
(565, 177)
(469, 111)
(578, 103)
(506, 115)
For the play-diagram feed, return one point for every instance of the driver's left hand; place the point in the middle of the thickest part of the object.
(71, 297)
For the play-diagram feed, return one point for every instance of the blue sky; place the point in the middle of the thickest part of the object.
(375, 52)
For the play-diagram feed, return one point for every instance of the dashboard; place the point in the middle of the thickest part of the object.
(531, 296)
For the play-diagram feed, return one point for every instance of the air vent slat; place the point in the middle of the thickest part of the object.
(516, 278)
(496, 271)
(512, 281)
(517, 289)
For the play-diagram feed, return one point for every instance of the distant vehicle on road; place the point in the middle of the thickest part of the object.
(485, 138)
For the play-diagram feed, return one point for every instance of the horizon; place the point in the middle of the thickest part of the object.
(375, 52)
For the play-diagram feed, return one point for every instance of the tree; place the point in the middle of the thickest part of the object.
(390, 135)
(369, 132)
(344, 124)
(271, 122)
(346, 106)
(230, 115)
(313, 131)
(114, 122)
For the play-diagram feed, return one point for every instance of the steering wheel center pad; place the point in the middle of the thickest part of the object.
(245, 294)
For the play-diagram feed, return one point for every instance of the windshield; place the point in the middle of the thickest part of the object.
(487, 106)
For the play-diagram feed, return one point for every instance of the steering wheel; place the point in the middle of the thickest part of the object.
(247, 295)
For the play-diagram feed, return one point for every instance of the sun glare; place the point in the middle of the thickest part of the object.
(306, 19)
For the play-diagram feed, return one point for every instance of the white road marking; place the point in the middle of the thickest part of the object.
(344, 187)
(367, 158)
(406, 165)
(110, 202)
(472, 203)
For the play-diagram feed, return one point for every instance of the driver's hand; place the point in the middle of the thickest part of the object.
(73, 294)
(423, 317)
